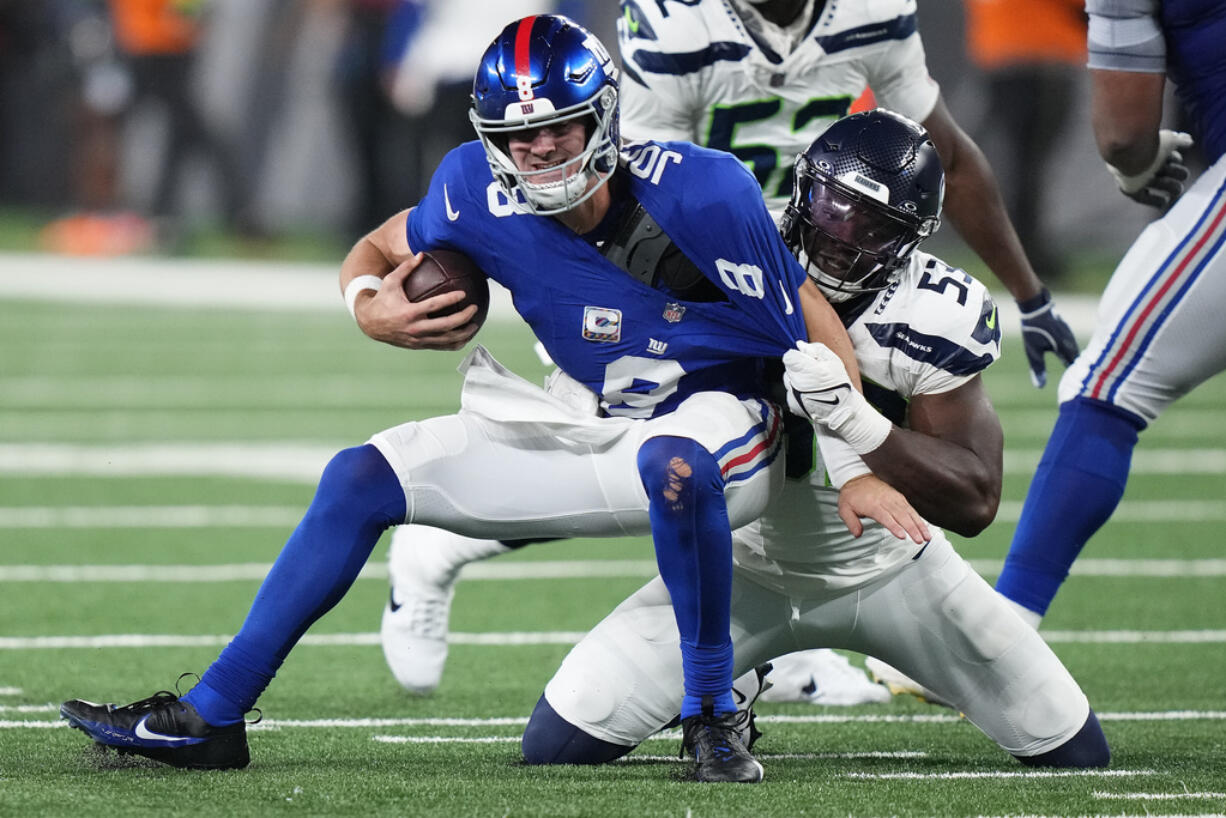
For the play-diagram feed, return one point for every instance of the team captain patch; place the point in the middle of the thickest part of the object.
(602, 324)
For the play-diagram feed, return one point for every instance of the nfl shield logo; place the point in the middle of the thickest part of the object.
(673, 312)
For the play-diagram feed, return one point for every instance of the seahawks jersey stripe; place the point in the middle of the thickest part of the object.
(897, 29)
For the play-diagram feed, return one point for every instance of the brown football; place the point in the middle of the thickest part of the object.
(442, 271)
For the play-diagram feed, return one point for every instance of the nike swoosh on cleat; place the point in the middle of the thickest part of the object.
(391, 601)
(145, 734)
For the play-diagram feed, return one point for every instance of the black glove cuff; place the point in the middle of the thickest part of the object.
(1035, 302)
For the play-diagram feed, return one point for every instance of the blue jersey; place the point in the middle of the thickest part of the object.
(641, 349)
(1195, 32)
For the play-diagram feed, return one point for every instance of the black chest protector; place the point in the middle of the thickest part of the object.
(639, 246)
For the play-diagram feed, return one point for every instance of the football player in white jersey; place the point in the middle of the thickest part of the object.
(867, 192)
(760, 80)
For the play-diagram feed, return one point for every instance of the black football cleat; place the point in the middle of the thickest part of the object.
(164, 729)
(715, 743)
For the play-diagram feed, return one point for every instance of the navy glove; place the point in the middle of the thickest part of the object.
(1043, 331)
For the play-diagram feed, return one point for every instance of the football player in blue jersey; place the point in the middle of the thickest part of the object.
(759, 79)
(1160, 331)
(656, 279)
(868, 191)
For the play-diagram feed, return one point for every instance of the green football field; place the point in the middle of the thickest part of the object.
(153, 460)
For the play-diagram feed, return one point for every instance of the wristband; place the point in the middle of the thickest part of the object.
(860, 425)
(357, 285)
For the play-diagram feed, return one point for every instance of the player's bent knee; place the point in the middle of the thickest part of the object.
(359, 481)
(676, 469)
(551, 739)
(1088, 748)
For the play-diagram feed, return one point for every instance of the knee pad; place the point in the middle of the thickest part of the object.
(551, 739)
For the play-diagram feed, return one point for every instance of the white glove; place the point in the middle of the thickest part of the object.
(820, 389)
(1160, 184)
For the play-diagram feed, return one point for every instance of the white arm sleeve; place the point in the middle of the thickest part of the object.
(841, 461)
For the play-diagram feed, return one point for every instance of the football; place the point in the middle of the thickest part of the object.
(442, 271)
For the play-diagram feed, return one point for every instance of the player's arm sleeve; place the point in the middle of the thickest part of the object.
(1125, 35)
(898, 75)
(842, 462)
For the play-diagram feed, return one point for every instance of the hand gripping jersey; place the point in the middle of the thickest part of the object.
(642, 350)
(692, 71)
(931, 332)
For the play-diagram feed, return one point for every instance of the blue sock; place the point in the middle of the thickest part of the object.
(693, 541)
(1075, 489)
(551, 739)
(358, 497)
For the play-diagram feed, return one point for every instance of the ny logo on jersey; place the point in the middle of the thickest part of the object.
(656, 346)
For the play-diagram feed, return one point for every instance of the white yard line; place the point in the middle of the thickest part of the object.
(1158, 796)
(520, 638)
(300, 461)
(519, 721)
(513, 570)
(997, 774)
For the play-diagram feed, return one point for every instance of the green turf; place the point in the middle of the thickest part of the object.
(97, 376)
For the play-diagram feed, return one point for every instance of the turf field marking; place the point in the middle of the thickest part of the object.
(504, 570)
(247, 516)
(1002, 774)
(10, 691)
(519, 721)
(445, 739)
(1158, 796)
(515, 638)
(300, 461)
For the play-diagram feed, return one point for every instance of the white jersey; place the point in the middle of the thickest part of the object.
(693, 71)
(931, 332)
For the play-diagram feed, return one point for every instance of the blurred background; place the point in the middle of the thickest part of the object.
(287, 128)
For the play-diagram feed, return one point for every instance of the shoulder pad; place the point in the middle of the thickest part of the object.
(938, 316)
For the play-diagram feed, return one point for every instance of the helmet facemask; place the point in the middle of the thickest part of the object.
(865, 194)
(849, 241)
(582, 175)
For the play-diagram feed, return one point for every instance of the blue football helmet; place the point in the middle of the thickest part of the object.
(544, 70)
(865, 194)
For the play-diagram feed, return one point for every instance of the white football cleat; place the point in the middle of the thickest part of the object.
(821, 677)
(423, 566)
(900, 684)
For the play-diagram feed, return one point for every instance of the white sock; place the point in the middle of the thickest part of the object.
(1031, 618)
